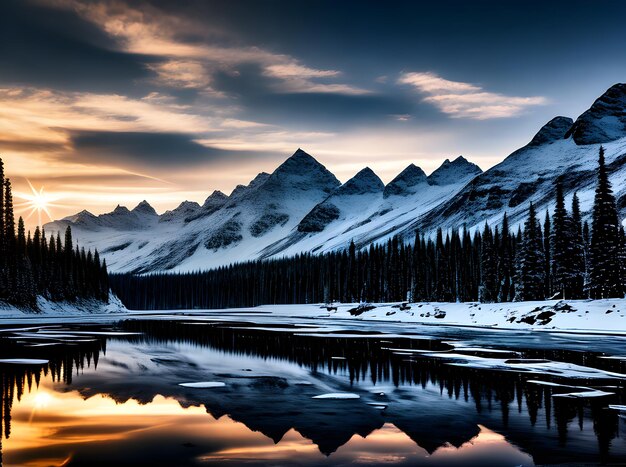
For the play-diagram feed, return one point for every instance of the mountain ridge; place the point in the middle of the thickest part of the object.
(302, 207)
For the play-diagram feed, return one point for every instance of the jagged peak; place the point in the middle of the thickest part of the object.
(298, 161)
(84, 212)
(82, 215)
(144, 208)
(187, 204)
(119, 209)
(401, 185)
(301, 171)
(454, 171)
(214, 198)
(365, 181)
(552, 131)
(604, 121)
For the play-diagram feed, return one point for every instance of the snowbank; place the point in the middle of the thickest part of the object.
(64, 309)
(605, 316)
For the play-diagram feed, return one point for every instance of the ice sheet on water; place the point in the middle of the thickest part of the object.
(23, 361)
(547, 367)
(584, 394)
(554, 385)
(337, 395)
(204, 384)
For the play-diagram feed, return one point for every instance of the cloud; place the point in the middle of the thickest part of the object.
(51, 47)
(139, 149)
(144, 30)
(466, 100)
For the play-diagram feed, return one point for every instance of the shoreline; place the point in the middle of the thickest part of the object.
(602, 317)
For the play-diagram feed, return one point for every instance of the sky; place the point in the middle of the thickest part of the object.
(110, 102)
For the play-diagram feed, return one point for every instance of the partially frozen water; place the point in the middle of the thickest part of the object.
(200, 389)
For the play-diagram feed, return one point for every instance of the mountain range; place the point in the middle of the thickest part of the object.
(302, 207)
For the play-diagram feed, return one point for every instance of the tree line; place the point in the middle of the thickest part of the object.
(561, 257)
(35, 265)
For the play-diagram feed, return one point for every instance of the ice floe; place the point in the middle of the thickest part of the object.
(23, 361)
(337, 395)
(204, 384)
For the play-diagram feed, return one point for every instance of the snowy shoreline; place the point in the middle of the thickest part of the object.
(583, 316)
(49, 309)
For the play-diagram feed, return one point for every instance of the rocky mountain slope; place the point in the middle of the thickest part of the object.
(302, 207)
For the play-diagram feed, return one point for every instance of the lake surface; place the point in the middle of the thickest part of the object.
(111, 394)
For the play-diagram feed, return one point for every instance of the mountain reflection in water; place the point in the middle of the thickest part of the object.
(111, 396)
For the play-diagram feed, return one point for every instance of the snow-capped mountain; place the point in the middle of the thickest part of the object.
(562, 149)
(302, 207)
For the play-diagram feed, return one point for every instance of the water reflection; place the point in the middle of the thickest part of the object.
(116, 399)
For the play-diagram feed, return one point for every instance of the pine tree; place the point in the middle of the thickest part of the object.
(488, 276)
(505, 262)
(561, 247)
(605, 272)
(578, 251)
(532, 259)
(547, 238)
(3, 252)
(622, 256)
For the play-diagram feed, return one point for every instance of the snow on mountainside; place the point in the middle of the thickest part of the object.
(302, 207)
(363, 210)
(529, 174)
(605, 120)
(223, 230)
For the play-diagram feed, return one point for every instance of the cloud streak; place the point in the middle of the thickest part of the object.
(144, 30)
(466, 100)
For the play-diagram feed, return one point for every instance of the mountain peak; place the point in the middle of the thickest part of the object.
(186, 208)
(365, 181)
(80, 217)
(460, 170)
(552, 131)
(604, 121)
(214, 198)
(144, 208)
(401, 185)
(119, 209)
(299, 160)
(301, 171)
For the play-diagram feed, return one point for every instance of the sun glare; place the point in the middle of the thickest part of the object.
(38, 201)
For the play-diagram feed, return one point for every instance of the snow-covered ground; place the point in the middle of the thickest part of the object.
(608, 316)
(588, 316)
(61, 310)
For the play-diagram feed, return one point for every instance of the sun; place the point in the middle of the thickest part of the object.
(38, 202)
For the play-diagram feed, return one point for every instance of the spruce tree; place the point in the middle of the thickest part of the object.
(532, 259)
(505, 262)
(578, 251)
(561, 247)
(604, 251)
(3, 254)
(547, 238)
(488, 276)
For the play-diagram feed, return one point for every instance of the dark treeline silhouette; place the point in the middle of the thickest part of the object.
(16, 380)
(49, 267)
(563, 258)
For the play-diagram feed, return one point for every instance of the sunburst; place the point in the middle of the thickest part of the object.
(39, 201)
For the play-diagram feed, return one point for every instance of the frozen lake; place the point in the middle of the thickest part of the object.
(244, 388)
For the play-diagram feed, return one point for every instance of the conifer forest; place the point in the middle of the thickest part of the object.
(33, 265)
(554, 254)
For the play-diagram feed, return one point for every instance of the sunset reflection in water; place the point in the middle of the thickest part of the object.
(54, 426)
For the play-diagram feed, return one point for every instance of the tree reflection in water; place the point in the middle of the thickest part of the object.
(433, 403)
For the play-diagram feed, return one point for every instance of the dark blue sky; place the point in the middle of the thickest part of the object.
(173, 99)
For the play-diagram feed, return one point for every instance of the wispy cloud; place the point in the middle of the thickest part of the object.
(466, 100)
(144, 30)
